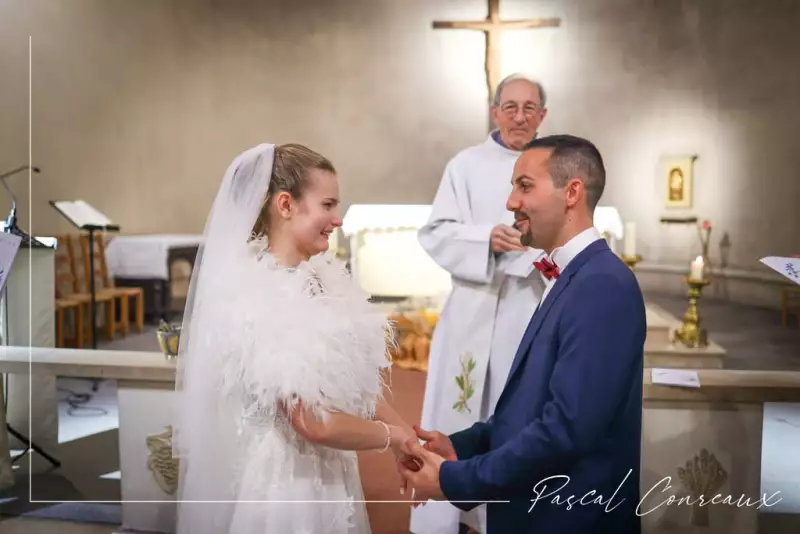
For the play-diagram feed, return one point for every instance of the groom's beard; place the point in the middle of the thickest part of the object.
(527, 238)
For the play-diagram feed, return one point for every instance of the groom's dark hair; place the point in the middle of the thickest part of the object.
(574, 157)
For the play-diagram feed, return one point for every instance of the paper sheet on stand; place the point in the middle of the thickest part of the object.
(788, 267)
(675, 377)
(9, 245)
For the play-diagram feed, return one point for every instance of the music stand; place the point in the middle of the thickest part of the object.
(84, 217)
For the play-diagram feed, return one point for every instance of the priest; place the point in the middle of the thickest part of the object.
(495, 286)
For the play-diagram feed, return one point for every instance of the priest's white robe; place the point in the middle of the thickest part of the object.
(492, 300)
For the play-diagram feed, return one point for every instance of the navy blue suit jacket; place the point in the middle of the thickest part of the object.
(571, 410)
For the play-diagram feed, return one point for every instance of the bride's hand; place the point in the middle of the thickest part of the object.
(399, 436)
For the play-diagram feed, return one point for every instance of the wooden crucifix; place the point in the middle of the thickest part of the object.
(493, 28)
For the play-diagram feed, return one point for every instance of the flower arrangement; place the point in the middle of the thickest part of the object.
(168, 338)
(704, 232)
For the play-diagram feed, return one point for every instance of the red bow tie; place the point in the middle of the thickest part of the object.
(547, 268)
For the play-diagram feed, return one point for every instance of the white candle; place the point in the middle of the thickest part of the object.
(697, 269)
(630, 240)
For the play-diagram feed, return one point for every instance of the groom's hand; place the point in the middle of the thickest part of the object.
(437, 443)
(424, 481)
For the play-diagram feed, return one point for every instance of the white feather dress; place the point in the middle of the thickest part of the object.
(312, 336)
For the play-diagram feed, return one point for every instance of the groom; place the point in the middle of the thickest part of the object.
(562, 448)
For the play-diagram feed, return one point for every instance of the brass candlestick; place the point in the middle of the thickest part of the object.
(690, 333)
(631, 261)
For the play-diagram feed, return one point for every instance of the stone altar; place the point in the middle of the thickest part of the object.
(659, 351)
(721, 419)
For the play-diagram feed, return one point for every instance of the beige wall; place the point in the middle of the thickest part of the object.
(139, 105)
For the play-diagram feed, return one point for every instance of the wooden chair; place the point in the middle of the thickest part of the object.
(77, 293)
(67, 300)
(63, 305)
(103, 280)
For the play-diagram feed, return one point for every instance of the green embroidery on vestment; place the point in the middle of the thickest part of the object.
(465, 384)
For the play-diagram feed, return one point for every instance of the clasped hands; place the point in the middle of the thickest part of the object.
(418, 465)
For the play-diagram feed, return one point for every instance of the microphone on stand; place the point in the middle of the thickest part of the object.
(11, 221)
(19, 169)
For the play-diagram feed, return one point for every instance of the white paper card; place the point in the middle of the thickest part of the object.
(788, 267)
(675, 377)
(9, 245)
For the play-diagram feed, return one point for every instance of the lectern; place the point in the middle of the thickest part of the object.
(26, 316)
(86, 218)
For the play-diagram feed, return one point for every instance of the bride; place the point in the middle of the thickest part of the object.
(282, 360)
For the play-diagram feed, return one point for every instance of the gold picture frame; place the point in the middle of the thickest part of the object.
(678, 181)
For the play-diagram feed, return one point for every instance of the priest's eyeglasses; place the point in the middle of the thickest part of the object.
(528, 110)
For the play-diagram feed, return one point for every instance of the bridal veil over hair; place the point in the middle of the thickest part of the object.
(256, 338)
(201, 435)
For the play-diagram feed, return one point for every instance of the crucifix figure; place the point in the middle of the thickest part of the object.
(493, 28)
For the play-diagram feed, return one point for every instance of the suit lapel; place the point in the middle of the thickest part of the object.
(536, 323)
(541, 313)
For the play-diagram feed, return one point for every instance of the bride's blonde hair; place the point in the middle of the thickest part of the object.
(290, 173)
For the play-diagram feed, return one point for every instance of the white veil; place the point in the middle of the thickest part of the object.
(204, 428)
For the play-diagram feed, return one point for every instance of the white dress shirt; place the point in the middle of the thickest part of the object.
(561, 256)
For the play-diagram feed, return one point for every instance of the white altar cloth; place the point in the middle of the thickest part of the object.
(144, 256)
(386, 258)
(384, 217)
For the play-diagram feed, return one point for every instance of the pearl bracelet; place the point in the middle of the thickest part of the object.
(388, 436)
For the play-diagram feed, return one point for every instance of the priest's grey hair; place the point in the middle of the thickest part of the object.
(514, 77)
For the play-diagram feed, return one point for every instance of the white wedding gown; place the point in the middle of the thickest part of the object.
(313, 336)
(281, 467)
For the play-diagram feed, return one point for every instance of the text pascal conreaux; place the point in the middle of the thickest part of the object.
(664, 485)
